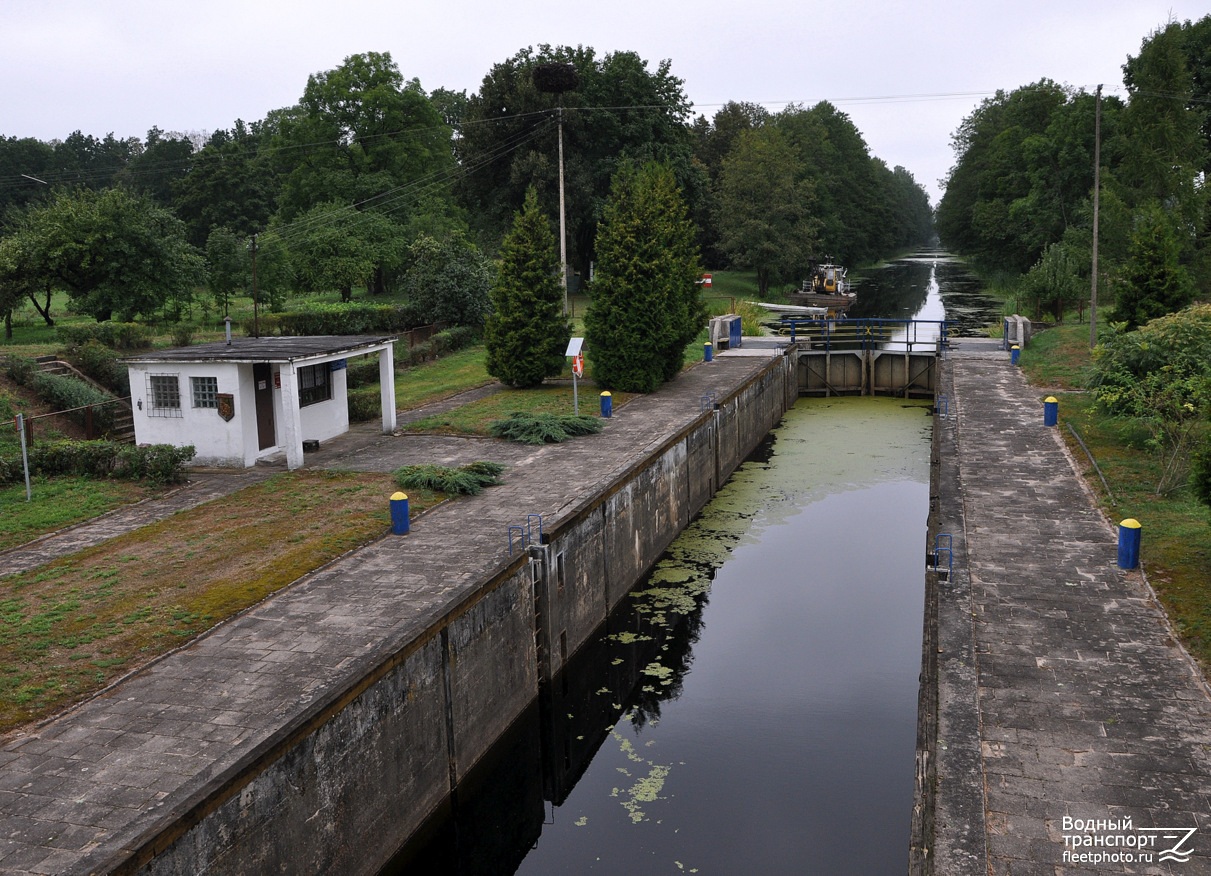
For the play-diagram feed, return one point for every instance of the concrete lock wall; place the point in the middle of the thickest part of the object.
(341, 788)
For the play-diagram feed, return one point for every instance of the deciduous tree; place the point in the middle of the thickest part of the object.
(229, 267)
(113, 251)
(763, 208)
(448, 280)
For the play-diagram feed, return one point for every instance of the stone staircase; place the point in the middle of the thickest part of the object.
(124, 420)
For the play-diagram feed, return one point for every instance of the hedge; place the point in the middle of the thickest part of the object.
(116, 335)
(340, 319)
(157, 463)
(67, 393)
(365, 404)
(102, 364)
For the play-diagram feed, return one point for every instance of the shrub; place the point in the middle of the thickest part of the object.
(448, 280)
(1177, 345)
(1200, 472)
(468, 480)
(364, 404)
(89, 458)
(116, 335)
(340, 319)
(529, 428)
(362, 371)
(20, 370)
(157, 463)
(182, 335)
(267, 324)
(102, 364)
(69, 394)
(454, 338)
(419, 353)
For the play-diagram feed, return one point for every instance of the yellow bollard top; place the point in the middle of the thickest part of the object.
(399, 497)
(1051, 400)
(1131, 523)
(1015, 347)
(607, 392)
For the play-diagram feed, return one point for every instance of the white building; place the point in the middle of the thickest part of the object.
(246, 399)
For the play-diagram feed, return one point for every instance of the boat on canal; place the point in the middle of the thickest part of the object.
(826, 286)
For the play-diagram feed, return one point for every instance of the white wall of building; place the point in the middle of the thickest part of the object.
(215, 441)
(234, 443)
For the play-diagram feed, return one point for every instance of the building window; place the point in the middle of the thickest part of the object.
(163, 395)
(315, 384)
(205, 391)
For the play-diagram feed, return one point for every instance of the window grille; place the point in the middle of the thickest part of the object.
(163, 395)
(315, 384)
(205, 391)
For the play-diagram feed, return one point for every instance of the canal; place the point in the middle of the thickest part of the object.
(751, 706)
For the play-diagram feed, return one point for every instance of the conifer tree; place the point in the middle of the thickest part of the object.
(1154, 282)
(645, 305)
(527, 333)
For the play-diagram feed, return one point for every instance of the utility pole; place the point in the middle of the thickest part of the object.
(256, 319)
(557, 78)
(1097, 188)
(563, 239)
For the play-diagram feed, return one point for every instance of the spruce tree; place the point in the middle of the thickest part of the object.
(645, 305)
(1154, 282)
(527, 334)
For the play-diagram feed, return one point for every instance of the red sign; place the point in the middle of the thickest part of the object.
(706, 279)
(578, 365)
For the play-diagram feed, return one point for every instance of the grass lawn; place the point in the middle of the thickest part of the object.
(1176, 538)
(70, 627)
(474, 418)
(62, 501)
(447, 376)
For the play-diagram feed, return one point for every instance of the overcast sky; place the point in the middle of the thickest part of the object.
(906, 73)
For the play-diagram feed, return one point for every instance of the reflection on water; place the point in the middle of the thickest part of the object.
(751, 707)
(927, 285)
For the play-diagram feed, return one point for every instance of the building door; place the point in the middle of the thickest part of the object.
(262, 379)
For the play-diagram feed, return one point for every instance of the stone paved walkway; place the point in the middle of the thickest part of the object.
(100, 779)
(1089, 712)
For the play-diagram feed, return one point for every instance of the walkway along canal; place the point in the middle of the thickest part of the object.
(1064, 729)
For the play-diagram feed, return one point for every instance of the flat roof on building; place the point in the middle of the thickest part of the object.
(283, 349)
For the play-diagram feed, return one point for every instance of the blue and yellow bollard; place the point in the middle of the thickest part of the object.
(607, 405)
(1015, 352)
(1051, 410)
(1129, 543)
(708, 352)
(399, 513)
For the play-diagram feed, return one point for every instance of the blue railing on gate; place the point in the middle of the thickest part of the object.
(869, 334)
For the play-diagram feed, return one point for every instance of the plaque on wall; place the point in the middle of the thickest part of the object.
(226, 405)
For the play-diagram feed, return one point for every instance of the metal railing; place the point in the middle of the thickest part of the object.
(868, 334)
(89, 421)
